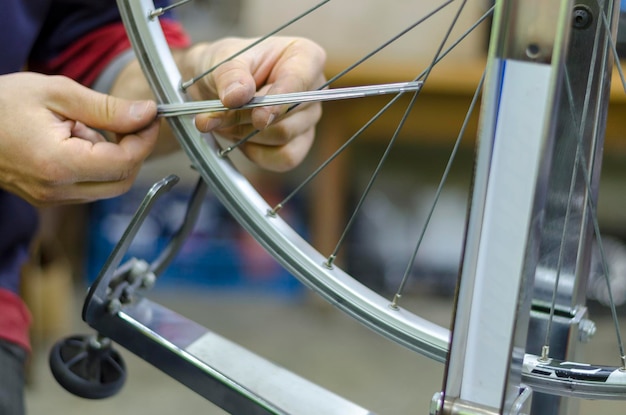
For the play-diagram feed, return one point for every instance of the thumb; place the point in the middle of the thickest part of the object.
(101, 111)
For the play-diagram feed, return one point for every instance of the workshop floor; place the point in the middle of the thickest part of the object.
(308, 337)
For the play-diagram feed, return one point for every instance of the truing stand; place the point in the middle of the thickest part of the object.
(231, 377)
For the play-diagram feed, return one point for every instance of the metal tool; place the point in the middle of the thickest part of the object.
(197, 107)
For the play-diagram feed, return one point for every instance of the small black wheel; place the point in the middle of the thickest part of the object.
(87, 366)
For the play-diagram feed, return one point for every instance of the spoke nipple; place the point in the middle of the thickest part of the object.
(186, 84)
(272, 212)
(329, 262)
(623, 368)
(223, 153)
(545, 353)
(394, 303)
(114, 306)
(586, 330)
(156, 13)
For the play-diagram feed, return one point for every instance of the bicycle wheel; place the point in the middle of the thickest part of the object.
(263, 221)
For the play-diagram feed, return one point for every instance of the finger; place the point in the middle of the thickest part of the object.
(97, 110)
(105, 161)
(234, 83)
(211, 121)
(300, 68)
(265, 116)
(91, 191)
(297, 122)
(236, 129)
(80, 130)
(237, 124)
(280, 158)
(84, 192)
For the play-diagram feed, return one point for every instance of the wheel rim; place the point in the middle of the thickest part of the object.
(297, 255)
(251, 210)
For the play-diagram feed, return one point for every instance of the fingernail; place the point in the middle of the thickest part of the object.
(207, 123)
(270, 120)
(231, 88)
(139, 109)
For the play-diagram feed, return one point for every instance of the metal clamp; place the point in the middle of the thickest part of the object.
(441, 406)
(117, 285)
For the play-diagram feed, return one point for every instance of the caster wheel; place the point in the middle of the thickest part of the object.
(87, 366)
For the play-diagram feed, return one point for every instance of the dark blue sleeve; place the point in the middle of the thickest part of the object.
(69, 20)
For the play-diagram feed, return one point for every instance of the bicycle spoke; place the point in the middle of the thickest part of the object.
(162, 10)
(185, 85)
(339, 151)
(343, 147)
(545, 350)
(372, 53)
(618, 62)
(596, 229)
(391, 143)
(596, 225)
(444, 178)
(581, 161)
(304, 261)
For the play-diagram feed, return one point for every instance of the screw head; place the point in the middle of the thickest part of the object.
(148, 281)
(586, 330)
(114, 306)
(436, 404)
(582, 17)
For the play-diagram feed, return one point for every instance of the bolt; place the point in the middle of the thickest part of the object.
(99, 342)
(138, 268)
(148, 281)
(114, 306)
(586, 330)
(582, 17)
(436, 404)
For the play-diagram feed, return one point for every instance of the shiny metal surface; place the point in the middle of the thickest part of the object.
(581, 120)
(567, 234)
(197, 107)
(231, 377)
(98, 300)
(250, 209)
(514, 150)
(566, 379)
(117, 283)
(301, 259)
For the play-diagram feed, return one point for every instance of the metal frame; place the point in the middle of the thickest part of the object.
(116, 307)
(535, 33)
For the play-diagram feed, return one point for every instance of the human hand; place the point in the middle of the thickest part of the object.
(49, 151)
(276, 65)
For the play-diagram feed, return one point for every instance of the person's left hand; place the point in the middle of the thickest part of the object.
(275, 66)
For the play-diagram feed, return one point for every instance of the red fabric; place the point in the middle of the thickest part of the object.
(86, 58)
(82, 61)
(14, 319)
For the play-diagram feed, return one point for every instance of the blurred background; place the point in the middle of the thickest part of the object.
(224, 280)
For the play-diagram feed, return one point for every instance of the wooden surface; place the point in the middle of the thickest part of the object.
(435, 120)
(442, 106)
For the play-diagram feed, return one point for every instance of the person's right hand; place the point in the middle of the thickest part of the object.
(49, 150)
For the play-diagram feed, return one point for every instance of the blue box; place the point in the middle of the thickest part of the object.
(217, 255)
